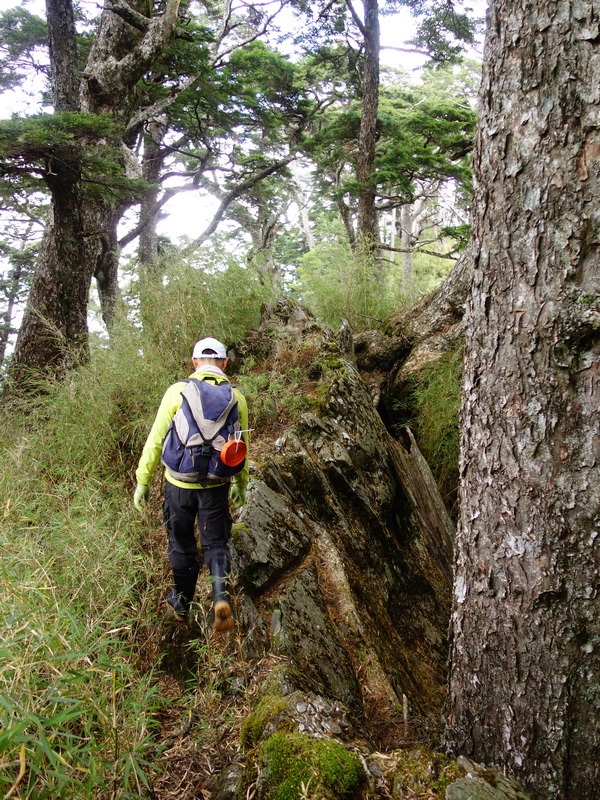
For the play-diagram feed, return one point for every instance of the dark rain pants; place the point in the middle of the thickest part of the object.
(181, 509)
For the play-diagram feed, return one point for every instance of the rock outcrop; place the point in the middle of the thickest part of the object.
(389, 359)
(342, 563)
(343, 572)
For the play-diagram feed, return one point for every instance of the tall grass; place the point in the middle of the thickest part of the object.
(70, 694)
(77, 705)
(338, 284)
(221, 301)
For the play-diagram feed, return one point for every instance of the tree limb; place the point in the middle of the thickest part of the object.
(167, 195)
(142, 23)
(238, 191)
(219, 56)
(130, 15)
(415, 250)
(229, 198)
(406, 50)
(161, 105)
(356, 18)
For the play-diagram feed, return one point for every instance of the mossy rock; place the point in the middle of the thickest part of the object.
(483, 783)
(420, 772)
(303, 632)
(268, 539)
(295, 766)
(269, 708)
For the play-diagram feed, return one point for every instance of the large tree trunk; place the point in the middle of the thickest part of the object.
(149, 211)
(153, 161)
(79, 243)
(367, 230)
(62, 46)
(525, 675)
(53, 334)
(80, 240)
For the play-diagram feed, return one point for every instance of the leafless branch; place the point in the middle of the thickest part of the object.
(416, 250)
(356, 18)
(406, 50)
(219, 56)
(242, 187)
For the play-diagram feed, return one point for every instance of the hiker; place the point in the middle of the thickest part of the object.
(203, 495)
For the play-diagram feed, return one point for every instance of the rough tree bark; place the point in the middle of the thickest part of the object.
(525, 675)
(54, 312)
(149, 272)
(367, 229)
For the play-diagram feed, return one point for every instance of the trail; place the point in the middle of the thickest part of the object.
(206, 684)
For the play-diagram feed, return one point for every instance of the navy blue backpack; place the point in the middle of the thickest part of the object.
(207, 419)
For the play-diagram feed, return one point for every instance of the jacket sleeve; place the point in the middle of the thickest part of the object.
(150, 457)
(241, 479)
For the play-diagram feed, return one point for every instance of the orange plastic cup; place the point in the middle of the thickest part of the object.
(233, 452)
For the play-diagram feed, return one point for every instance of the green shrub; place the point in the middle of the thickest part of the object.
(338, 284)
(274, 399)
(191, 301)
(278, 389)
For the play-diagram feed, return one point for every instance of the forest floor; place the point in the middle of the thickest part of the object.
(208, 689)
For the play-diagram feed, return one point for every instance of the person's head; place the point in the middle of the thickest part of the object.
(209, 351)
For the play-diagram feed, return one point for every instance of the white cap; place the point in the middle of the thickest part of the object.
(209, 348)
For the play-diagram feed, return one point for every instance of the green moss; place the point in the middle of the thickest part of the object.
(237, 529)
(280, 681)
(298, 766)
(320, 397)
(332, 363)
(254, 724)
(421, 771)
(436, 400)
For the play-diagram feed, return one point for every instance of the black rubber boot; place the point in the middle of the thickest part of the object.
(181, 596)
(219, 570)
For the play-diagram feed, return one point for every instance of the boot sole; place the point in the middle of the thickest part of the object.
(223, 619)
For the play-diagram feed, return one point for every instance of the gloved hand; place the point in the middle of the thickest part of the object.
(237, 495)
(142, 493)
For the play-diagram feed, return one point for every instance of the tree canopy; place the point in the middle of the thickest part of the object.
(141, 104)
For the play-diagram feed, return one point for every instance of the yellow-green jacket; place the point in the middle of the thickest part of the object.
(169, 406)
